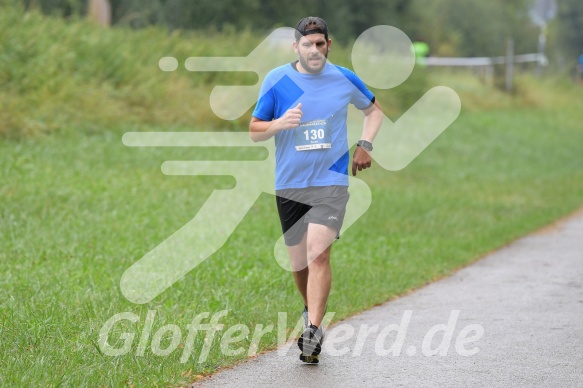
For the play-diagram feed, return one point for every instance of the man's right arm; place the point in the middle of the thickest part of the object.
(260, 130)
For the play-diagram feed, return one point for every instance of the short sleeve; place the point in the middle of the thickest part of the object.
(361, 97)
(265, 108)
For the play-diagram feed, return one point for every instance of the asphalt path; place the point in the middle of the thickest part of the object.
(512, 319)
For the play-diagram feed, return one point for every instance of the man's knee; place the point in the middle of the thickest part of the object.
(299, 265)
(319, 257)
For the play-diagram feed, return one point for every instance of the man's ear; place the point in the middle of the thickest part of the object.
(296, 46)
(329, 43)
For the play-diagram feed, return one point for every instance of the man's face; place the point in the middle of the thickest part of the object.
(312, 52)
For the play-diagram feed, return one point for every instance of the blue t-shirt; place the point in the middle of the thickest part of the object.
(325, 97)
(581, 62)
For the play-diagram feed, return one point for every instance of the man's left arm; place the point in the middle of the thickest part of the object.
(373, 117)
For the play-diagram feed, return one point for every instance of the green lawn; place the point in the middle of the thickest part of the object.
(76, 210)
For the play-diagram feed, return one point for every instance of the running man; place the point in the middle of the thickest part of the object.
(304, 105)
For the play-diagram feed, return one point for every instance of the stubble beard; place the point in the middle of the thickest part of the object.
(310, 69)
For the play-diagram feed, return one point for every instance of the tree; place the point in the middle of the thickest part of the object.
(472, 28)
(570, 26)
(346, 19)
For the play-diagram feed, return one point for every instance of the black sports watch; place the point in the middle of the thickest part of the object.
(367, 145)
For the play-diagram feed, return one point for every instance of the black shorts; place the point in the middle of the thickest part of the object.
(324, 205)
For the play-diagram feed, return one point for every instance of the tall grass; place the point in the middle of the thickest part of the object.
(57, 74)
(73, 75)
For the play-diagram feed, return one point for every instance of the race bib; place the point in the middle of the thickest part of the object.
(313, 135)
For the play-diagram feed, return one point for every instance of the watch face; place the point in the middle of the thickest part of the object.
(365, 144)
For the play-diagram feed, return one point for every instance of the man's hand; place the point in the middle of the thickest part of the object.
(291, 118)
(360, 160)
(260, 130)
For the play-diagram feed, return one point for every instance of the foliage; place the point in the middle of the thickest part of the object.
(346, 19)
(453, 27)
(471, 28)
(571, 27)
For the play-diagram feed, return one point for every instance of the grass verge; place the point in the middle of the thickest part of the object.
(78, 209)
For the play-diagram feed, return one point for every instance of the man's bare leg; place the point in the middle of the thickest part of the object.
(299, 263)
(319, 244)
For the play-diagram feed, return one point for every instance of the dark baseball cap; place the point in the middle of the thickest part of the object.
(311, 25)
